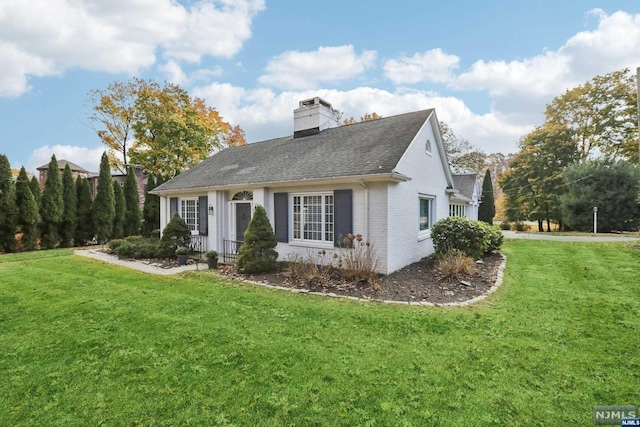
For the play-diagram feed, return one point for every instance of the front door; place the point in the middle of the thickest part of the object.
(243, 216)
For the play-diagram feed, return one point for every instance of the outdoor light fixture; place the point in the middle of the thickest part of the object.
(210, 209)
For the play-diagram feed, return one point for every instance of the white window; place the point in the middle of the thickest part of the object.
(189, 212)
(313, 217)
(426, 213)
(457, 210)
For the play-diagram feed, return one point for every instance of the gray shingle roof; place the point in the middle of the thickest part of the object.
(366, 148)
(62, 163)
(465, 184)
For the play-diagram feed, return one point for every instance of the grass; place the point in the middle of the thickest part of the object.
(84, 343)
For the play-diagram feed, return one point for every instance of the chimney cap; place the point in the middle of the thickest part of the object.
(314, 101)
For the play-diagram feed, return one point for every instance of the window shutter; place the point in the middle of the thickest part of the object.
(203, 218)
(343, 215)
(173, 207)
(281, 216)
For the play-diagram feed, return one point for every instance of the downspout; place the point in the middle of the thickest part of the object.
(366, 210)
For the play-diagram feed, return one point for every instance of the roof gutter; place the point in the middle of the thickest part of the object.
(357, 179)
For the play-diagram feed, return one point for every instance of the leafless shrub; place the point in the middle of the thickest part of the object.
(357, 260)
(311, 270)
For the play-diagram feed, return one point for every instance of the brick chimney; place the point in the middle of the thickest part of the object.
(313, 116)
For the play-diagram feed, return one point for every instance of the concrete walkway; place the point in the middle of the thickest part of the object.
(137, 265)
(556, 238)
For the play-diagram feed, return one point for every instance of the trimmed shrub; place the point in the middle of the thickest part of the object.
(257, 253)
(114, 244)
(505, 225)
(474, 238)
(175, 234)
(456, 263)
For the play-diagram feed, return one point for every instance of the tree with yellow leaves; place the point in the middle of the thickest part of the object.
(161, 128)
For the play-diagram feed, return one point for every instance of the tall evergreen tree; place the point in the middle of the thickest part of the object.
(69, 216)
(133, 215)
(104, 205)
(487, 209)
(34, 184)
(8, 208)
(51, 205)
(28, 211)
(85, 228)
(151, 211)
(120, 209)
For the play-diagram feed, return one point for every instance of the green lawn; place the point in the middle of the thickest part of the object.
(86, 344)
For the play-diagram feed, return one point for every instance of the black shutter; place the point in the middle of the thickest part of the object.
(173, 207)
(343, 215)
(281, 216)
(203, 219)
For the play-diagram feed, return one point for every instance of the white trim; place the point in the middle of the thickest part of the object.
(323, 231)
(426, 233)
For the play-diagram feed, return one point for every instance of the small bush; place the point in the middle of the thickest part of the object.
(139, 248)
(505, 225)
(520, 226)
(132, 239)
(175, 234)
(114, 244)
(211, 254)
(257, 253)
(474, 238)
(456, 263)
(493, 238)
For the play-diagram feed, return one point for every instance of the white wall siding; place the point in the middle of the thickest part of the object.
(428, 179)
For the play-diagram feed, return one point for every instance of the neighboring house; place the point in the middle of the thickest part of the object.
(387, 179)
(92, 177)
(468, 200)
(75, 170)
(141, 180)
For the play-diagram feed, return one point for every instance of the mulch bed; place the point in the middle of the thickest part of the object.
(418, 282)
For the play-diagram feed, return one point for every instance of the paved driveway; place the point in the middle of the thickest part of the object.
(547, 236)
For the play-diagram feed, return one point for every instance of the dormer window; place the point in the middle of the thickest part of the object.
(427, 147)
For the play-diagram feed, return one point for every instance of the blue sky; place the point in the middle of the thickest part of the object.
(489, 68)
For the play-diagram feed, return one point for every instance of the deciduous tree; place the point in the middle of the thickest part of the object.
(69, 216)
(174, 131)
(104, 204)
(601, 114)
(28, 211)
(8, 208)
(113, 116)
(133, 215)
(463, 156)
(534, 182)
(51, 206)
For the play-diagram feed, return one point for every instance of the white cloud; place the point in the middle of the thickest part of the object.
(433, 66)
(306, 70)
(264, 114)
(174, 73)
(88, 158)
(44, 37)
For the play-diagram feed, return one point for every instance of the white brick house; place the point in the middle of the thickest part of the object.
(386, 179)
